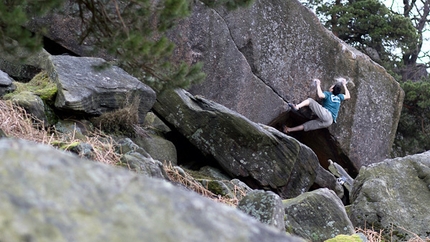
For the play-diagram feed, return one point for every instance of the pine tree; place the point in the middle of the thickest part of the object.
(369, 25)
(412, 133)
(13, 15)
(132, 32)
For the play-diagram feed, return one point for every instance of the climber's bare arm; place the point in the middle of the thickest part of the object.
(347, 95)
(319, 90)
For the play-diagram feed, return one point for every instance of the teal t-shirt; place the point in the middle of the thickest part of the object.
(332, 103)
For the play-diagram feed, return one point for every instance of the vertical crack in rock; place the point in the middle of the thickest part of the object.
(246, 51)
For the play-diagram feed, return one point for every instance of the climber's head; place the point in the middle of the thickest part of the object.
(336, 89)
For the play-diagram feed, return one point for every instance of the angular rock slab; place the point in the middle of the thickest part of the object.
(317, 216)
(84, 89)
(49, 195)
(394, 195)
(255, 153)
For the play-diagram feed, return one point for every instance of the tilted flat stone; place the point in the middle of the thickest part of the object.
(144, 165)
(255, 153)
(86, 90)
(50, 195)
(158, 148)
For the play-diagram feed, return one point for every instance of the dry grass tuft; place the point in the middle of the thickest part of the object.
(188, 181)
(378, 236)
(371, 235)
(17, 123)
(104, 148)
(120, 121)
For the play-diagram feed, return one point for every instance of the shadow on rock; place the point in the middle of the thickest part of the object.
(320, 141)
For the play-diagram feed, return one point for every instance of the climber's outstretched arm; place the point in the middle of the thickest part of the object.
(319, 90)
(347, 95)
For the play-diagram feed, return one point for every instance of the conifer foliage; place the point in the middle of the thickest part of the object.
(412, 133)
(13, 15)
(133, 32)
(369, 24)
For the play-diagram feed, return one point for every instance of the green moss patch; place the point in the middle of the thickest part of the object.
(40, 85)
(346, 238)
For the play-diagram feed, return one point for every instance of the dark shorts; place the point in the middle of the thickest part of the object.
(324, 119)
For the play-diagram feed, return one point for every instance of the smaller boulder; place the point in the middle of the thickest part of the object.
(240, 188)
(325, 179)
(220, 184)
(155, 123)
(83, 150)
(127, 145)
(317, 216)
(32, 104)
(6, 83)
(77, 128)
(342, 176)
(144, 165)
(265, 206)
(158, 148)
(394, 197)
(214, 173)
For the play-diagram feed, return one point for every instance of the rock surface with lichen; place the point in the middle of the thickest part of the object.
(85, 87)
(394, 195)
(317, 216)
(265, 206)
(59, 197)
(258, 58)
(260, 155)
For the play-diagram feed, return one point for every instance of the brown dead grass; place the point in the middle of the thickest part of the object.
(122, 120)
(373, 235)
(186, 180)
(17, 123)
(189, 182)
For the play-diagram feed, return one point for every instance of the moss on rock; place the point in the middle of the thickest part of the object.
(40, 85)
(346, 238)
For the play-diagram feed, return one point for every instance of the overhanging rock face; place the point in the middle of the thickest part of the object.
(258, 154)
(257, 58)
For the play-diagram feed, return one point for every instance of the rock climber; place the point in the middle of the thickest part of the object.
(327, 112)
